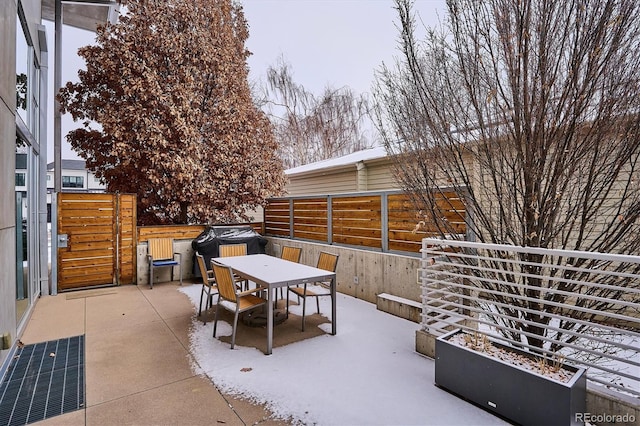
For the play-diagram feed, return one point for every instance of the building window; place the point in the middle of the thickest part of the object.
(21, 179)
(72, 181)
(22, 71)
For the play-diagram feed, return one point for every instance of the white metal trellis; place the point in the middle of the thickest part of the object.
(487, 288)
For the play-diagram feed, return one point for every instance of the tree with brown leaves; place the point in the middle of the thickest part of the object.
(167, 113)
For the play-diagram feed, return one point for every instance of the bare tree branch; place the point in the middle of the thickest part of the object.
(529, 111)
(310, 128)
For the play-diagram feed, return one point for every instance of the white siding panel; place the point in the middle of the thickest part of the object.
(381, 177)
(329, 183)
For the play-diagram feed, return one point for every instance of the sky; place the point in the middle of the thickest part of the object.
(367, 374)
(332, 43)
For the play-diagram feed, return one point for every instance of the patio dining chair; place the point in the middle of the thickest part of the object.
(209, 286)
(160, 253)
(291, 254)
(231, 298)
(229, 250)
(326, 261)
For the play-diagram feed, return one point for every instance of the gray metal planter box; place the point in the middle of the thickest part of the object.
(507, 390)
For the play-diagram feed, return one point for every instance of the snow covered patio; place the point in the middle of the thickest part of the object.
(367, 374)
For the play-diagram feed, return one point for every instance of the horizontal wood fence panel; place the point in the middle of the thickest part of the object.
(184, 232)
(311, 228)
(277, 222)
(427, 228)
(320, 222)
(90, 238)
(281, 232)
(381, 220)
(402, 235)
(75, 262)
(449, 200)
(89, 270)
(100, 230)
(278, 204)
(86, 210)
(358, 222)
(356, 200)
(84, 222)
(88, 230)
(82, 215)
(178, 232)
(278, 214)
(409, 246)
(311, 221)
(310, 202)
(307, 232)
(315, 236)
(355, 241)
(358, 232)
(373, 216)
(401, 226)
(88, 220)
(310, 214)
(310, 205)
(83, 281)
(91, 246)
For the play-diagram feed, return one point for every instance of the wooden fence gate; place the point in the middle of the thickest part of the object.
(99, 231)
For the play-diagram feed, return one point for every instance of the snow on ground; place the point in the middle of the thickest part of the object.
(367, 374)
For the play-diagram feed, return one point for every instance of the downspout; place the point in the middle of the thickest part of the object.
(361, 176)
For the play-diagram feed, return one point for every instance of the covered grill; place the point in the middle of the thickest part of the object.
(209, 241)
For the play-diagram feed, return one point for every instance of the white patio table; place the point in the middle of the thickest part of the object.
(272, 272)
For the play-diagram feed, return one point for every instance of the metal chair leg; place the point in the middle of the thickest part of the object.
(151, 275)
(304, 307)
(215, 320)
(235, 327)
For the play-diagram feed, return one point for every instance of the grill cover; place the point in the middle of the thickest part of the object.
(209, 241)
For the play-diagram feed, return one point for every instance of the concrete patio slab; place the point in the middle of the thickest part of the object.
(124, 309)
(54, 318)
(192, 401)
(138, 367)
(143, 356)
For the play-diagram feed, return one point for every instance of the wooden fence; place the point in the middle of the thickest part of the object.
(383, 220)
(181, 232)
(99, 231)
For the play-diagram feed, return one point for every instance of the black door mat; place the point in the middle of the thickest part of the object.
(43, 380)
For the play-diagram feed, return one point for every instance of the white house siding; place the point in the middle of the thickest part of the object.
(326, 183)
(93, 183)
(380, 177)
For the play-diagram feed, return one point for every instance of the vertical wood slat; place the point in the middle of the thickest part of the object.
(128, 239)
(161, 248)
